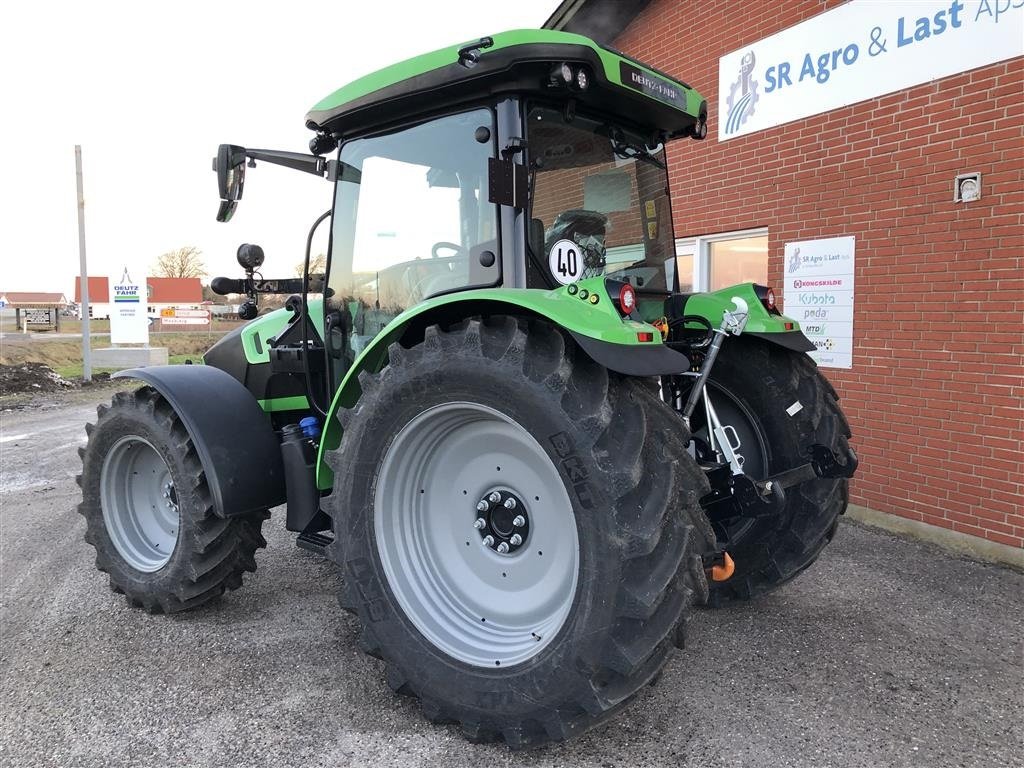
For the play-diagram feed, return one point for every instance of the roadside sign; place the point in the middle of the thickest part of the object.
(41, 317)
(195, 317)
(128, 321)
(181, 312)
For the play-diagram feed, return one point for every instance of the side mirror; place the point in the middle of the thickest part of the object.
(230, 167)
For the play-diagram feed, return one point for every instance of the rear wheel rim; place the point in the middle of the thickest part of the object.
(473, 602)
(140, 504)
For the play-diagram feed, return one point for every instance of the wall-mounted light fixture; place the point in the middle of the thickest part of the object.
(967, 187)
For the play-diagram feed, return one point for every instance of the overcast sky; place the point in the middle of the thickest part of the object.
(149, 91)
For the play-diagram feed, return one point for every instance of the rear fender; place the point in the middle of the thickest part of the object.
(233, 438)
(599, 329)
(777, 329)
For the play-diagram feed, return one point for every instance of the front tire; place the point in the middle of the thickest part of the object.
(550, 637)
(149, 513)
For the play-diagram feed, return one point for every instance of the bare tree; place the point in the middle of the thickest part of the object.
(182, 262)
(317, 265)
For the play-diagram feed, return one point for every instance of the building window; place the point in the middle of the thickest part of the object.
(711, 262)
(684, 264)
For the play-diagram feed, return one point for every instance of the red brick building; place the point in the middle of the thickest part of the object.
(935, 389)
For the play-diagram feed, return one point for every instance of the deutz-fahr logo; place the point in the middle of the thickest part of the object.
(126, 291)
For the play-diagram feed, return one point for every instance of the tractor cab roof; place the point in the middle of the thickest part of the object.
(527, 62)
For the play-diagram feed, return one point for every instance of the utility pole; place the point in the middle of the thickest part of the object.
(86, 341)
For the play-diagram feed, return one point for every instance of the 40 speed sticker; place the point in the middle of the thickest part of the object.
(565, 262)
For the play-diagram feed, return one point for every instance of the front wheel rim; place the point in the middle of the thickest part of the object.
(140, 504)
(472, 601)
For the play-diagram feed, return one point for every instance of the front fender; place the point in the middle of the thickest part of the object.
(625, 346)
(233, 438)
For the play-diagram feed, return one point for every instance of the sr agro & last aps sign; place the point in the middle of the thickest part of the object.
(859, 51)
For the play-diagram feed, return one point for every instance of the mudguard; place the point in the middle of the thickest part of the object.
(234, 440)
(774, 328)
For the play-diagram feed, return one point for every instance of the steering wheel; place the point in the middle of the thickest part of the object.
(444, 244)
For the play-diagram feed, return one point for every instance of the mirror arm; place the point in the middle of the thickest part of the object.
(295, 160)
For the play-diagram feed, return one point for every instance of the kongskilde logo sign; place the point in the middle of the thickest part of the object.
(822, 297)
(859, 51)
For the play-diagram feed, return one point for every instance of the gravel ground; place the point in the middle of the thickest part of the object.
(886, 653)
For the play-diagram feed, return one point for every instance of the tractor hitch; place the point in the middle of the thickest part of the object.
(735, 496)
(738, 495)
(823, 464)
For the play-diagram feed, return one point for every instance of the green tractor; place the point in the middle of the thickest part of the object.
(529, 454)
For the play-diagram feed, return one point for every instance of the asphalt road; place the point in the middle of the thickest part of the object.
(886, 653)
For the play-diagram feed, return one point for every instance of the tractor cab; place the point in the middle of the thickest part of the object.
(532, 159)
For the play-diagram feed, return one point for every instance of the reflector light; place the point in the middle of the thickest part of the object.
(789, 326)
(644, 336)
(627, 299)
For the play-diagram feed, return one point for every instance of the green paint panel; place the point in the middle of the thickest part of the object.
(759, 320)
(257, 334)
(295, 403)
(427, 62)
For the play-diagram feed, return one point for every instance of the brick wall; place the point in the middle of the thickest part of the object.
(934, 397)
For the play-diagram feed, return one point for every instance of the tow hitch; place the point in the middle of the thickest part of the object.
(735, 495)
(823, 463)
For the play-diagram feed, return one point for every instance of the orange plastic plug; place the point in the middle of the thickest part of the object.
(724, 571)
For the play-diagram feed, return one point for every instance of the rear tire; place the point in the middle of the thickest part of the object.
(753, 385)
(621, 478)
(149, 513)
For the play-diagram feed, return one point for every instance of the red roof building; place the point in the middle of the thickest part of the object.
(16, 299)
(99, 290)
(162, 290)
(174, 290)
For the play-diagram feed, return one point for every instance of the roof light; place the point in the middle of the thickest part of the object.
(561, 74)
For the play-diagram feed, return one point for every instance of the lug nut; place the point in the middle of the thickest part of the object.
(488, 541)
(518, 521)
(516, 540)
(480, 524)
(494, 498)
(503, 548)
(510, 503)
(482, 506)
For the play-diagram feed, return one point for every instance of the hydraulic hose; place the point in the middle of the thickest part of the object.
(305, 317)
